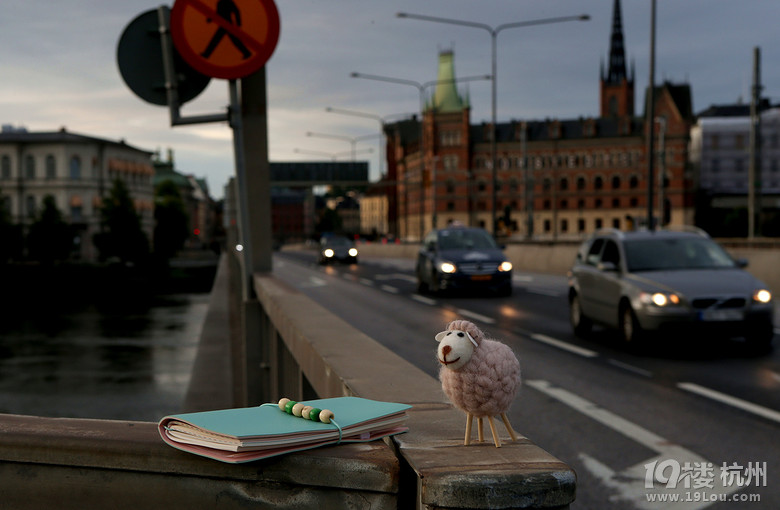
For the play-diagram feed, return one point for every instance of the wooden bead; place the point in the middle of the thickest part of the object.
(314, 414)
(282, 403)
(297, 408)
(306, 412)
(288, 407)
(326, 416)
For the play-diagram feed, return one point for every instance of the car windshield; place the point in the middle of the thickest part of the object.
(466, 240)
(676, 253)
(337, 241)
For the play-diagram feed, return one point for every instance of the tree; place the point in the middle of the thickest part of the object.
(122, 235)
(50, 238)
(10, 235)
(171, 227)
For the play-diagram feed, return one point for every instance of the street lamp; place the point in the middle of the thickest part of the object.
(494, 31)
(353, 140)
(421, 88)
(333, 155)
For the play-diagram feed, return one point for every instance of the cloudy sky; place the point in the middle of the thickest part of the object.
(59, 68)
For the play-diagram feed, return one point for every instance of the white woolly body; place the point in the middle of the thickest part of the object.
(487, 384)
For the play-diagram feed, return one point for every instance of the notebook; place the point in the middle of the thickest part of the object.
(251, 433)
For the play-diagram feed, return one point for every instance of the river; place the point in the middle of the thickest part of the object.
(101, 363)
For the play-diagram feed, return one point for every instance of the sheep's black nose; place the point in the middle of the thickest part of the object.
(446, 349)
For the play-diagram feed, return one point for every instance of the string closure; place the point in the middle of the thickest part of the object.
(307, 412)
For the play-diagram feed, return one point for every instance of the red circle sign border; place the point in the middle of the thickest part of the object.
(192, 57)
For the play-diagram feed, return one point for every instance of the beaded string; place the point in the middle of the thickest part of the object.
(307, 412)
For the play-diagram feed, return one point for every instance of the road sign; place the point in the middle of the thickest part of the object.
(140, 61)
(226, 39)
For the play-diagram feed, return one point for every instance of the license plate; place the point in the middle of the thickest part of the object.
(481, 277)
(722, 315)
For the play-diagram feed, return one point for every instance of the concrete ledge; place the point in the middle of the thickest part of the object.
(75, 463)
(332, 355)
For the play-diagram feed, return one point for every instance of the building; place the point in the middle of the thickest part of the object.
(720, 155)
(78, 171)
(554, 178)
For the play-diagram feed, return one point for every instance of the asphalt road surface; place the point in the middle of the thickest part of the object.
(703, 416)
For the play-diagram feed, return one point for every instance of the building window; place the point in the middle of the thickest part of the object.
(547, 225)
(715, 166)
(580, 225)
(564, 184)
(450, 162)
(546, 204)
(51, 167)
(616, 182)
(564, 225)
(29, 167)
(481, 186)
(739, 165)
(634, 201)
(598, 182)
(615, 203)
(5, 168)
(598, 203)
(616, 223)
(599, 223)
(633, 182)
(546, 184)
(513, 185)
(30, 203)
(580, 183)
(739, 141)
(75, 168)
(450, 186)
(76, 214)
(564, 204)
(581, 204)
(450, 206)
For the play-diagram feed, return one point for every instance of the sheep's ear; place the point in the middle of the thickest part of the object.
(441, 335)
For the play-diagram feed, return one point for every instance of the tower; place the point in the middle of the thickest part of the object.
(616, 86)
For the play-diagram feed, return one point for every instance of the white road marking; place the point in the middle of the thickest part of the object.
(476, 316)
(366, 281)
(317, 282)
(750, 407)
(775, 375)
(388, 288)
(587, 353)
(397, 276)
(630, 368)
(522, 278)
(630, 484)
(544, 292)
(423, 299)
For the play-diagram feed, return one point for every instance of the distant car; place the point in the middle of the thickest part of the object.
(666, 281)
(337, 249)
(462, 258)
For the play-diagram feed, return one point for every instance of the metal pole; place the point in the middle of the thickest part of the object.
(243, 214)
(754, 165)
(661, 168)
(494, 130)
(649, 121)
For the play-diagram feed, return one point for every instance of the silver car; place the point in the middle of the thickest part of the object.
(666, 281)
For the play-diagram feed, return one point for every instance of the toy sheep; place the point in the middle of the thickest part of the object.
(480, 376)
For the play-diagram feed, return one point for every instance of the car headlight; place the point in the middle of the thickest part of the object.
(505, 266)
(660, 299)
(762, 296)
(328, 252)
(353, 252)
(447, 267)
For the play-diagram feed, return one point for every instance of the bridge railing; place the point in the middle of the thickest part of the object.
(297, 349)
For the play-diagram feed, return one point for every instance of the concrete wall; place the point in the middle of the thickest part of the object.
(556, 258)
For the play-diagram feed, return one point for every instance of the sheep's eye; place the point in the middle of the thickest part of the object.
(460, 335)
(448, 334)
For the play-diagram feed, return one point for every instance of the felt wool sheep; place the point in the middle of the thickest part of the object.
(480, 376)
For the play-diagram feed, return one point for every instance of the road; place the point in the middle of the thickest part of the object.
(711, 410)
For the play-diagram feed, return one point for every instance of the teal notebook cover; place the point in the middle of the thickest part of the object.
(266, 427)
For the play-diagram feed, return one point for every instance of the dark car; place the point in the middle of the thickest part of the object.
(337, 249)
(665, 281)
(462, 258)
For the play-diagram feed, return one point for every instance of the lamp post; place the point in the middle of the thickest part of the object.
(353, 140)
(421, 89)
(333, 155)
(494, 31)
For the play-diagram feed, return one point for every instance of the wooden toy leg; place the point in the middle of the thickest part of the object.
(496, 440)
(508, 427)
(467, 441)
(480, 430)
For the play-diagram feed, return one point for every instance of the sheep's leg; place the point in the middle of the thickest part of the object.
(508, 427)
(467, 441)
(480, 429)
(496, 440)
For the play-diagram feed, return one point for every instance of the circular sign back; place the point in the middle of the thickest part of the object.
(140, 61)
(226, 39)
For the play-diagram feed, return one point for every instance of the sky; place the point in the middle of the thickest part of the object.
(59, 69)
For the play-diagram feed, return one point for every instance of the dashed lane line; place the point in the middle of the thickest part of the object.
(630, 368)
(367, 281)
(581, 351)
(425, 300)
(476, 316)
(723, 398)
(390, 289)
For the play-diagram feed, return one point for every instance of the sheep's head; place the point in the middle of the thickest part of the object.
(457, 344)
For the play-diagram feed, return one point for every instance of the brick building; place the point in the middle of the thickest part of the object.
(555, 178)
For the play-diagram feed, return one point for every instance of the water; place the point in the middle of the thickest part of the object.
(128, 364)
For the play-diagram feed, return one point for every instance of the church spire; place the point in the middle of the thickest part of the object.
(617, 54)
(446, 98)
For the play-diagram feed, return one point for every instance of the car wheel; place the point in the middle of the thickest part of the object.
(581, 324)
(630, 330)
